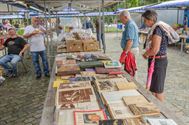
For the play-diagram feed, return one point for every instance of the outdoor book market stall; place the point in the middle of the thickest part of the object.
(88, 87)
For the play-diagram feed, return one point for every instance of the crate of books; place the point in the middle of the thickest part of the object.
(74, 46)
(90, 45)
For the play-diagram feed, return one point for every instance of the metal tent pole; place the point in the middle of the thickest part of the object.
(103, 32)
(50, 27)
(99, 25)
(57, 23)
(177, 16)
(46, 21)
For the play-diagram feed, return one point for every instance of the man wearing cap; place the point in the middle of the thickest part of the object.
(35, 34)
(16, 47)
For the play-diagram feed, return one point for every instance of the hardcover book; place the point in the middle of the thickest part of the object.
(68, 70)
(69, 62)
(126, 86)
(135, 100)
(67, 97)
(161, 121)
(75, 85)
(119, 110)
(106, 85)
(92, 64)
(144, 109)
(80, 78)
(114, 96)
(88, 73)
(112, 122)
(89, 117)
(128, 121)
(106, 76)
(102, 70)
(112, 64)
(81, 106)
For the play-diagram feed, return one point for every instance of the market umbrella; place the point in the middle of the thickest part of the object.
(150, 72)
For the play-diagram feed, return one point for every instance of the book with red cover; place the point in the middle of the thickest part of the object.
(102, 70)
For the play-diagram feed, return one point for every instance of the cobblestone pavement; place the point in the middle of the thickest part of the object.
(21, 99)
(177, 80)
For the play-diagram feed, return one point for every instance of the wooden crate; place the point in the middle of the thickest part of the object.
(74, 46)
(90, 46)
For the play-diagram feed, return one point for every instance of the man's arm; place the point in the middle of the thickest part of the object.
(26, 46)
(28, 35)
(128, 45)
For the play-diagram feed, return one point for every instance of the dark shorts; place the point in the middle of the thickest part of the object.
(158, 77)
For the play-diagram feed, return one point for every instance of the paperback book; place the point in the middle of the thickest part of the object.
(89, 117)
(112, 64)
(161, 121)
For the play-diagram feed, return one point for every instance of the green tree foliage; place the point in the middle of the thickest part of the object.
(128, 4)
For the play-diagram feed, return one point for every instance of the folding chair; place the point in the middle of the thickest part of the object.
(23, 64)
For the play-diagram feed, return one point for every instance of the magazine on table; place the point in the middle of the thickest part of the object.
(119, 110)
(89, 117)
(68, 97)
(113, 96)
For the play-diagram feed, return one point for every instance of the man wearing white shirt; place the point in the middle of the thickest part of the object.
(35, 34)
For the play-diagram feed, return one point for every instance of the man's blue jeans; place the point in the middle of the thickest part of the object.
(35, 59)
(8, 62)
(100, 38)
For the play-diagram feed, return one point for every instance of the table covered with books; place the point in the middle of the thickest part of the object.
(89, 88)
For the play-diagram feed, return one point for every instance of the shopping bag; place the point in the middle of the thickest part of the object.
(122, 57)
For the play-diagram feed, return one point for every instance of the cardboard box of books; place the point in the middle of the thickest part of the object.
(74, 46)
(90, 45)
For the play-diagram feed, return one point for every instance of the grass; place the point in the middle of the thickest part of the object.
(112, 29)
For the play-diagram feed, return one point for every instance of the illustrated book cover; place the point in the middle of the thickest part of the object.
(112, 64)
(89, 117)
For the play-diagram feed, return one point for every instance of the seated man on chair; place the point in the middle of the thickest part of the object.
(16, 47)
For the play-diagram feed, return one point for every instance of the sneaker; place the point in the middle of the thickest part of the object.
(8, 75)
(38, 77)
(47, 75)
(14, 75)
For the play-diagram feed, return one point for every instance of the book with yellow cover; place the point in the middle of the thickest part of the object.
(135, 100)
(57, 83)
(126, 86)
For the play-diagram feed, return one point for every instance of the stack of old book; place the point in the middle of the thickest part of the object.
(78, 41)
(76, 104)
(86, 81)
(128, 104)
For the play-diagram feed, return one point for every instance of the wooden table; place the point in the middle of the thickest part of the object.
(49, 104)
